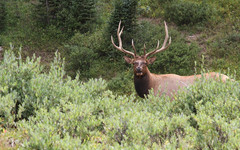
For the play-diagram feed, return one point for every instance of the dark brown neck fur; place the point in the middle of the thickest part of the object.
(142, 84)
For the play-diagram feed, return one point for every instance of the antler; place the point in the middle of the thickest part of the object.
(119, 32)
(164, 47)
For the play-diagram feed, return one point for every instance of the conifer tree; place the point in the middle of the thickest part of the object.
(68, 15)
(125, 10)
(2, 15)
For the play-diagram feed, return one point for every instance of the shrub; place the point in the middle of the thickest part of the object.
(225, 52)
(57, 112)
(188, 13)
(226, 46)
(81, 52)
(205, 116)
(122, 83)
(15, 86)
(152, 8)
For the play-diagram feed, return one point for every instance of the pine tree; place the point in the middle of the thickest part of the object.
(68, 15)
(125, 10)
(2, 15)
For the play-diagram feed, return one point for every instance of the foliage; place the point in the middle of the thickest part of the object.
(22, 30)
(124, 11)
(122, 83)
(65, 113)
(15, 80)
(81, 51)
(152, 8)
(84, 55)
(188, 13)
(225, 52)
(2, 15)
(66, 15)
(49, 110)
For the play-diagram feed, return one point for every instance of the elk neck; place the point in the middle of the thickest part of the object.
(143, 83)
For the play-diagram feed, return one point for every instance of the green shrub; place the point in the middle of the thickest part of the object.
(188, 13)
(211, 105)
(15, 85)
(152, 8)
(122, 83)
(23, 31)
(226, 46)
(56, 112)
(205, 116)
(81, 52)
(224, 51)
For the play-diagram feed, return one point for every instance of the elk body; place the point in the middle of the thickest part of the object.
(144, 80)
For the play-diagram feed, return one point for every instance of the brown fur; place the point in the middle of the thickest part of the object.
(167, 83)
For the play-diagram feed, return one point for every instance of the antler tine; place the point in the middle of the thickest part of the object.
(135, 52)
(119, 32)
(157, 45)
(164, 47)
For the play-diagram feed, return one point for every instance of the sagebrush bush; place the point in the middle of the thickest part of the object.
(57, 112)
(188, 13)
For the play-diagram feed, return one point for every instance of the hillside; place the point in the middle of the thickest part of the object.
(64, 86)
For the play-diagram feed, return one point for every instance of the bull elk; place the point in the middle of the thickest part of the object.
(144, 80)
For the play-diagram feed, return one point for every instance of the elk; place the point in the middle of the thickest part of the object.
(144, 80)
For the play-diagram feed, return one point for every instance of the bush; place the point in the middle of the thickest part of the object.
(122, 83)
(152, 8)
(57, 112)
(81, 52)
(226, 46)
(188, 13)
(205, 116)
(15, 86)
(224, 50)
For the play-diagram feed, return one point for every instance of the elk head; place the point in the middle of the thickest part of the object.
(140, 63)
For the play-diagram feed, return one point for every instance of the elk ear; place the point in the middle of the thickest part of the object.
(128, 60)
(151, 60)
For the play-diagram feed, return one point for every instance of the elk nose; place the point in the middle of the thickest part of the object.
(138, 69)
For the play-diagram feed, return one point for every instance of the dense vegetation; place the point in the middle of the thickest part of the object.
(85, 99)
(52, 111)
